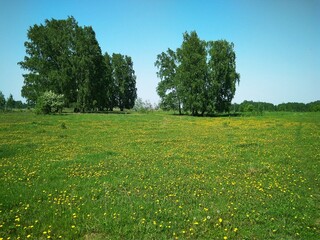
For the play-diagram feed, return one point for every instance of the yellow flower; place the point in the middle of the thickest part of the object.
(220, 220)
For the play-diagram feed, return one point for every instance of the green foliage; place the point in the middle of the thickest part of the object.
(124, 81)
(222, 74)
(111, 90)
(192, 73)
(168, 86)
(2, 101)
(314, 106)
(260, 107)
(199, 77)
(159, 176)
(50, 102)
(292, 107)
(10, 102)
(66, 58)
(142, 106)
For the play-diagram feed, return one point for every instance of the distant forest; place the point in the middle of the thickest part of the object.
(258, 107)
(246, 106)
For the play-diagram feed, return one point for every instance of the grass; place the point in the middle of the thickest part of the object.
(159, 176)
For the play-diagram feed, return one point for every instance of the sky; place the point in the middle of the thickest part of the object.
(277, 42)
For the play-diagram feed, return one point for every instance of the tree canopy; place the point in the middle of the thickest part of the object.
(199, 77)
(66, 58)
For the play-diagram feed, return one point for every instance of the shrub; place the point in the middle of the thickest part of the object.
(142, 106)
(49, 102)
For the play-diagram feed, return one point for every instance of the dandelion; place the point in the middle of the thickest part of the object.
(220, 220)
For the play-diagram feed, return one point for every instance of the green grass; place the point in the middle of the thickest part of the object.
(159, 176)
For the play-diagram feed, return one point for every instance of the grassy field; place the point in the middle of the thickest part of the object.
(159, 176)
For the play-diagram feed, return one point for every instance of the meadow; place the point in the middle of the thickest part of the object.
(159, 176)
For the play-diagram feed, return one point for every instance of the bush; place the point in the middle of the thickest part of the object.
(141, 106)
(49, 102)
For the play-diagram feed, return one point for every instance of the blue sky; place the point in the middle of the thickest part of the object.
(277, 42)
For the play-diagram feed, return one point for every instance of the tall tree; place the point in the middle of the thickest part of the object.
(201, 77)
(168, 86)
(109, 83)
(192, 73)
(66, 59)
(90, 70)
(118, 67)
(130, 84)
(49, 51)
(222, 74)
(124, 81)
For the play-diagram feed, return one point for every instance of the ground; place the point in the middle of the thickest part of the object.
(159, 176)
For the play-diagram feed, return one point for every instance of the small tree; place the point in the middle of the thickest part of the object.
(50, 102)
(142, 106)
(10, 102)
(2, 101)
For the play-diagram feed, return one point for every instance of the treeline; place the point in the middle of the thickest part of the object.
(10, 103)
(65, 58)
(259, 107)
(199, 77)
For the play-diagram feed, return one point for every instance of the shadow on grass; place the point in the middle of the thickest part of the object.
(212, 115)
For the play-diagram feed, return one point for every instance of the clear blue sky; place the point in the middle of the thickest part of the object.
(277, 42)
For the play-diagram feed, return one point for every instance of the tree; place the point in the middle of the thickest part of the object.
(314, 106)
(50, 102)
(2, 101)
(222, 73)
(66, 59)
(124, 81)
(10, 102)
(192, 73)
(49, 59)
(199, 77)
(109, 83)
(168, 86)
(90, 73)
(142, 106)
(130, 84)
